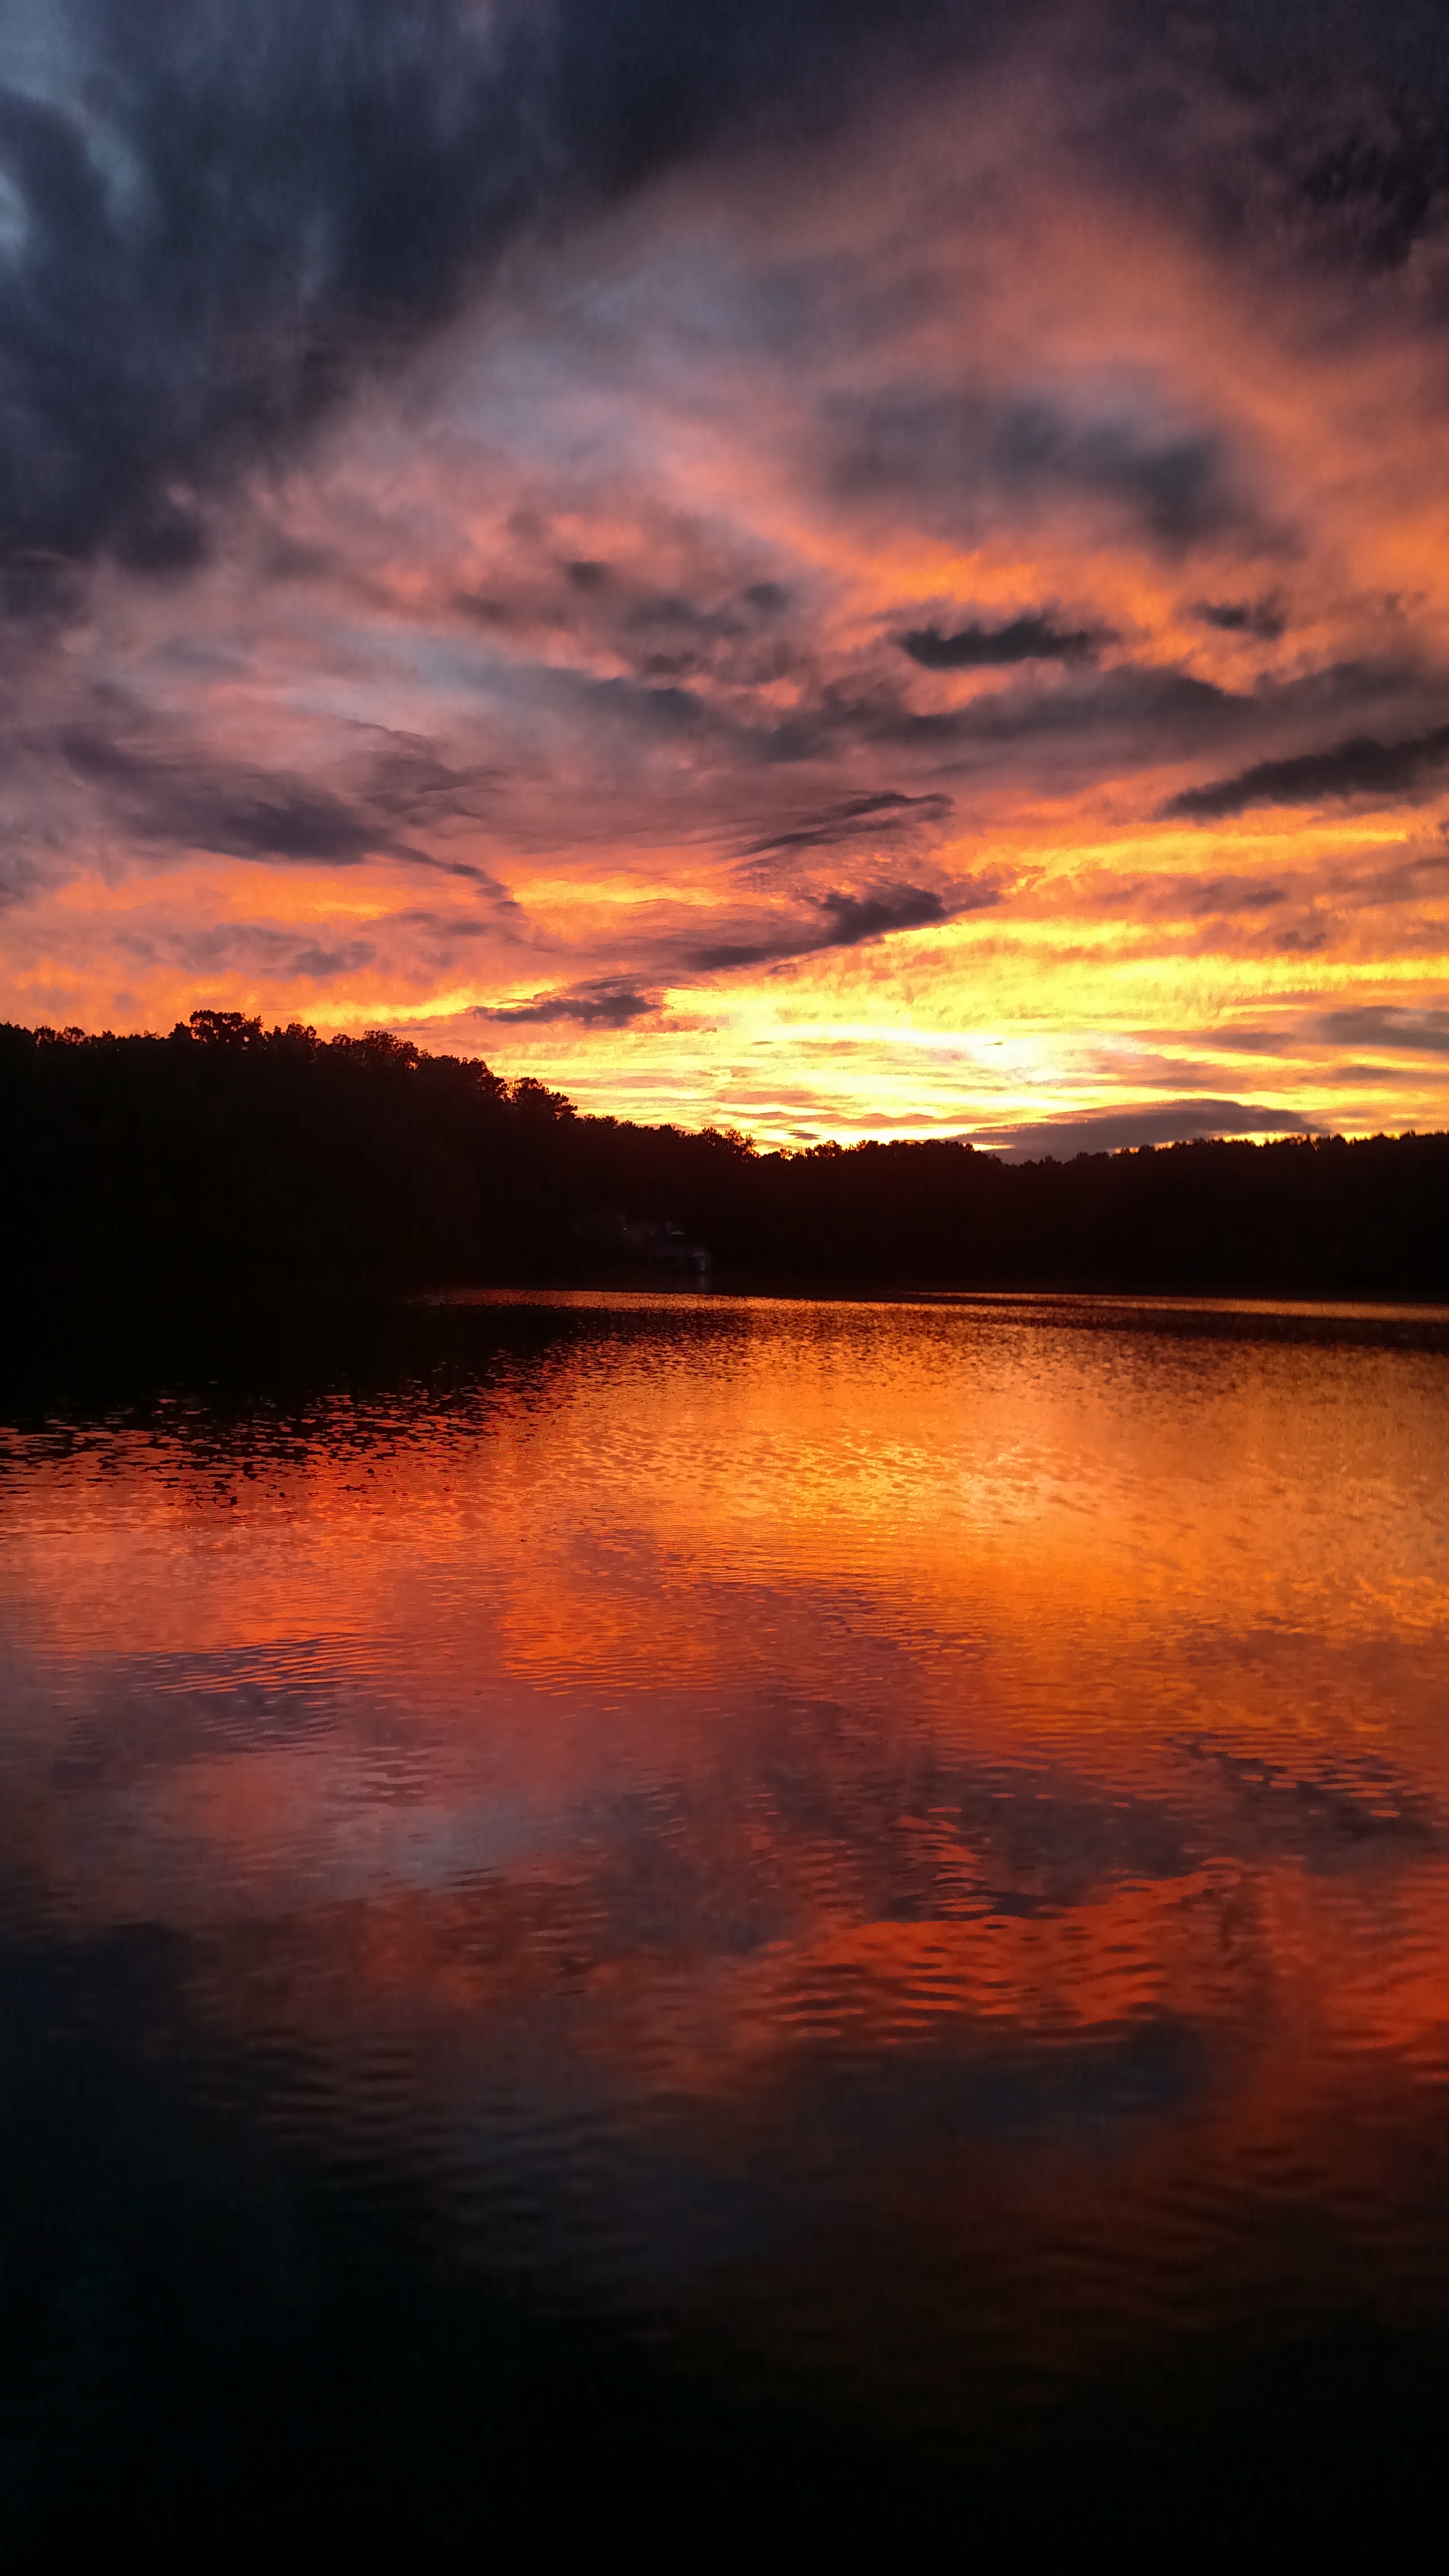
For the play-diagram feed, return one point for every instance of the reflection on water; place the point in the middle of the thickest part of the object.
(889, 1859)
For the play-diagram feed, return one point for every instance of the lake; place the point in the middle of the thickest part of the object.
(828, 1910)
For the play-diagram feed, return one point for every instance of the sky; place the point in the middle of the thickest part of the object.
(834, 570)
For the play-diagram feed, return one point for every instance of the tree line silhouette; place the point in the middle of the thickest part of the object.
(227, 1158)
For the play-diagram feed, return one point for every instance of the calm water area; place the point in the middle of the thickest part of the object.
(822, 1908)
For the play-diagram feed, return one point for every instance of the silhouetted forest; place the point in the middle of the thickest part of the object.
(228, 1158)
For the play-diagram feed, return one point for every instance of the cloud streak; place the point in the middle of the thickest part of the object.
(601, 1005)
(984, 648)
(165, 793)
(1165, 1122)
(1381, 1025)
(848, 921)
(1362, 766)
(1264, 619)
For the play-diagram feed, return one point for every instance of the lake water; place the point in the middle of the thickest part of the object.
(830, 1908)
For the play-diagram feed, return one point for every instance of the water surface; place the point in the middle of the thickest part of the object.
(856, 1888)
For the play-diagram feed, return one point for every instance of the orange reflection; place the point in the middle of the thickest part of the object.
(990, 1768)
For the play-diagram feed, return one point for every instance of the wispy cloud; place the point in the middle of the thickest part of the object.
(984, 648)
(1380, 1024)
(842, 920)
(1264, 619)
(1361, 766)
(601, 1005)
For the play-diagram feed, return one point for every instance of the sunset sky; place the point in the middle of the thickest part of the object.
(837, 569)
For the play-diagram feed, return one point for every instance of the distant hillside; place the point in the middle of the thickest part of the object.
(229, 1158)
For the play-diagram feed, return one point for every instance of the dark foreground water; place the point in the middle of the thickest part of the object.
(704, 1920)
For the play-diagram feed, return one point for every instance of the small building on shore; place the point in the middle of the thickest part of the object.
(664, 1251)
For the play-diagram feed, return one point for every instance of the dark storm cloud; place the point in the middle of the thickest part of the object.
(743, 952)
(225, 211)
(730, 635)
(244, 814)
(709, 622)
(175, 797)
(1169, 703)
(1261, 618)
(855, 918)
(1166, 1122)
(1383, 1025)
(1362, 766)
(220, 214)
(606, 1004)
(1166, 704)
(1148, 713)
(1347, 109)
(964, 454)
(1170, 711)
(981, 648)
(1377, 173)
